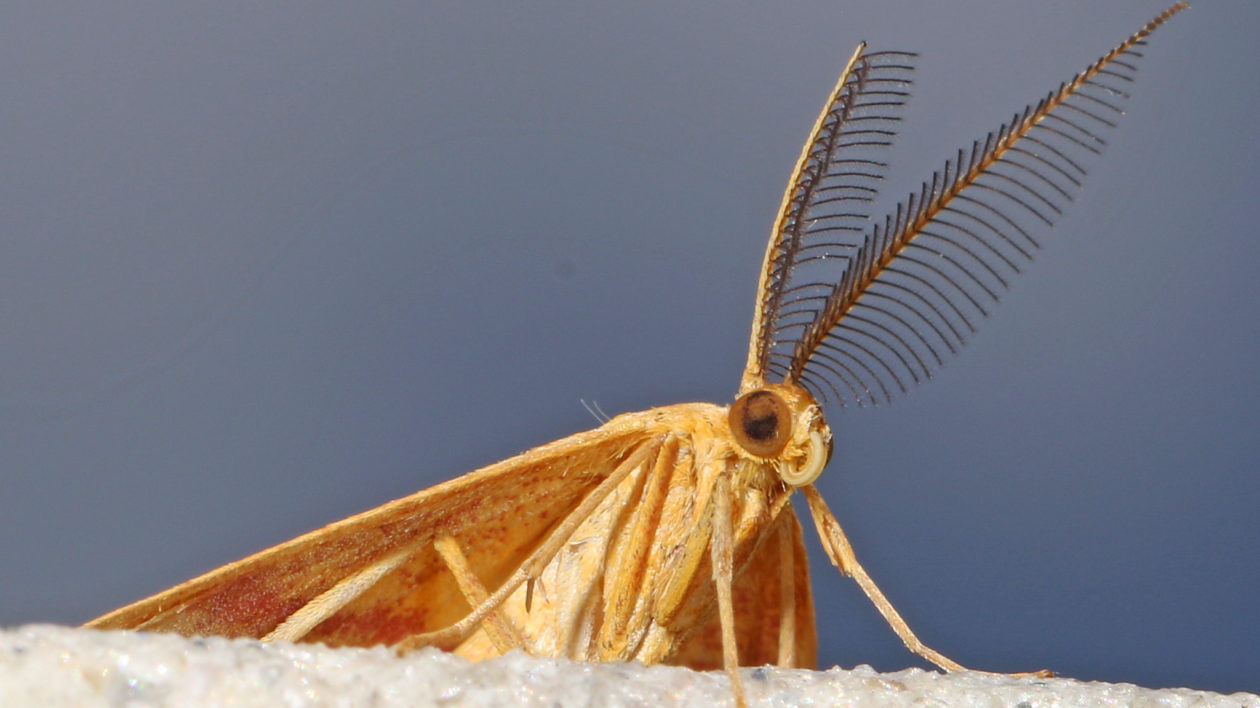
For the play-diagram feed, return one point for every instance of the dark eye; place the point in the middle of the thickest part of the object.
(761, 423)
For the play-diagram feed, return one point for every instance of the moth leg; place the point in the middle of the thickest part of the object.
(536, 562)
(328, 603)
(787, 597)
(532, 586)
(841, 554)
(723, 578)
(623, 603)
(502, 634)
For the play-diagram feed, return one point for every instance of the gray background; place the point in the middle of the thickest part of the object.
(264, 267)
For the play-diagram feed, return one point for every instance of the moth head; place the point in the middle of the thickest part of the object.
(781, 423)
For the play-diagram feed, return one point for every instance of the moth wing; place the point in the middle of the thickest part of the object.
(497, 514)
(759, 609)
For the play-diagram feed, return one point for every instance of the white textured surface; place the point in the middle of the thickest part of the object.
(57, 666)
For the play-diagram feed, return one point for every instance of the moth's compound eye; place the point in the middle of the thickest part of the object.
(761, 423)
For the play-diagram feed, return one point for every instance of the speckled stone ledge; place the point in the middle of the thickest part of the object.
(46, 665)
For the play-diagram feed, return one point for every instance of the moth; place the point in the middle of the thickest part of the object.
(669, 535)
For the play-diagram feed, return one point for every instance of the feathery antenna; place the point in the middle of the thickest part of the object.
(912, 287)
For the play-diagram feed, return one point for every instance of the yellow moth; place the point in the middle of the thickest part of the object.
(668, 535)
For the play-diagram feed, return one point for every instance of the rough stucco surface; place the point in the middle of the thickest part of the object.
(58, 666)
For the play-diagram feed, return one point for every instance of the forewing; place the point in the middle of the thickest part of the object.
(497, 514)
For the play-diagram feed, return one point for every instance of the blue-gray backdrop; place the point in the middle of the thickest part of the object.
(262, 267)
